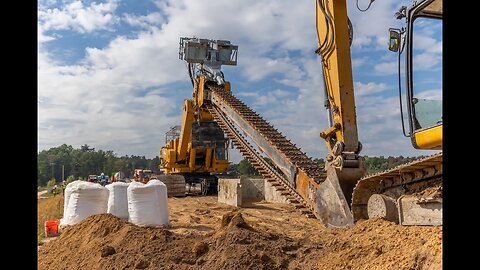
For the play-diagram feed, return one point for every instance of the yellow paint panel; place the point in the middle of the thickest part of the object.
(208, 157)
(193, 154)
(430, 138)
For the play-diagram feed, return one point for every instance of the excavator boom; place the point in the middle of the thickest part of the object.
(334, 38)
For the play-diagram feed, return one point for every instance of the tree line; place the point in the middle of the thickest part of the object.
(373, 164)
(66, 161)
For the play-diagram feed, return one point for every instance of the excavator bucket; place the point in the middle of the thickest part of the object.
(331, 207)
(331, 197)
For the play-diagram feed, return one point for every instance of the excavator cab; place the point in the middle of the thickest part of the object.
(411, 193)
(423, 73)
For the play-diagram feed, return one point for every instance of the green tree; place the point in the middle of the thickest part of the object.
(70, 179)
(320, 162)
(380, 163)
(85, 161)
(51, 182)
(246, 169)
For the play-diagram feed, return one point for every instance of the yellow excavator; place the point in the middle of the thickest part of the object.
(410, 194)
(199, 150)
(341, 193)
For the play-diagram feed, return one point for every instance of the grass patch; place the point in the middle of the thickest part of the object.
(50, 208)
(48, 195)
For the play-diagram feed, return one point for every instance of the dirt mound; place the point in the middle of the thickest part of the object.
(105, 242)
(238, 246)
(380, 244)
(235, 219)
(224, 238)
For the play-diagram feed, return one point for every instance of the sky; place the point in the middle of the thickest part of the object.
(109, 74)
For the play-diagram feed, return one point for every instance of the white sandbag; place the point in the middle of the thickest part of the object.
(117, 199)
(148, 203)
(84, 199)
(66, 196)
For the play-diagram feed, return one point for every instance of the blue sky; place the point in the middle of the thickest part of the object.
(109, 74)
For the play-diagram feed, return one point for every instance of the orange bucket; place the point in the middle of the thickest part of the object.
(51, 228)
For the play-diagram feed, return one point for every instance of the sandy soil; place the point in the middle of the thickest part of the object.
(204, 234)
(41, 193)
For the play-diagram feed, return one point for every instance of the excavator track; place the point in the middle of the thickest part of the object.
(421, 170)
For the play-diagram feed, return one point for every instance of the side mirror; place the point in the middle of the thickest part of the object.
(394, 41)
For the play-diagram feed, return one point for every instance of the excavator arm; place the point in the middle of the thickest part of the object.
(186, 131)
(334, 32)
(334, 36)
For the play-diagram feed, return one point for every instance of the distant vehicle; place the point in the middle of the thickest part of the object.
(141, 175)
(92, 178)
(103, 179)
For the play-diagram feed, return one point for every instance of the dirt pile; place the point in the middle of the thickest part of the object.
(106, 242)
(380, 244)
(239, 246)
(265, 237)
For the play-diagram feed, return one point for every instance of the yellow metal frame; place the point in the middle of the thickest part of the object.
(337, 69)
(178, 156)
(431, 138)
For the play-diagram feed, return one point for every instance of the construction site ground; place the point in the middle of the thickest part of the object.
(204, 234)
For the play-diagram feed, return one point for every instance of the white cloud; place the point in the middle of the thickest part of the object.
(259, 68)
(79, 17)
(271, 97)
(386, 68)
(425, 61)
(247, 94)
(41, 37)
(432, 94)
(358, 62)
(147, 21)
(427, 43)
(280, 93)
(427, 54)
(363, 89)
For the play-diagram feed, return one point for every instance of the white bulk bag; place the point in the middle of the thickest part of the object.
(83, 199)
(148, 203)
(117, 199)
(66, 196)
